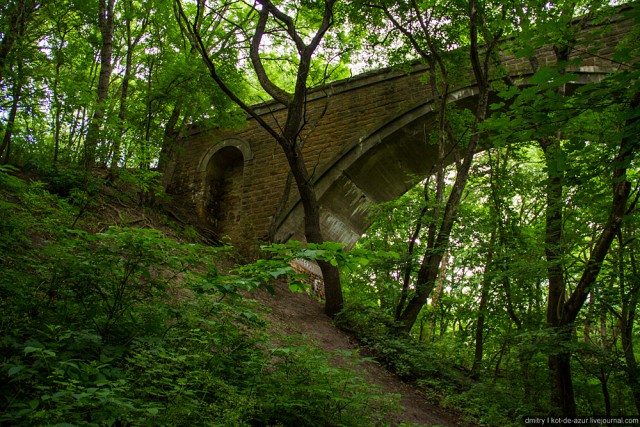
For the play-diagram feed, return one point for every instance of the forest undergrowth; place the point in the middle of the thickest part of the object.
(115, 312)
(109, 318)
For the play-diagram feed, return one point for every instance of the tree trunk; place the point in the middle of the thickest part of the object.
(626, 322)
(562, 383)
(484, 295)
(124, 94)
(561, 315)
(57, 123)
(559, 362)
(57, 120)
(170, 137)
(330, 274)
(408, 267)
(479, 335)
(435, 301)
(428, 272)
(633, 373)
(5, 147)
(106, 24)
(607, 398)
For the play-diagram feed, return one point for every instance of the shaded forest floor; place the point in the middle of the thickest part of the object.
(295, 315)
(298, 314)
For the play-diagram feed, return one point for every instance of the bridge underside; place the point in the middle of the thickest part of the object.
(380, 168)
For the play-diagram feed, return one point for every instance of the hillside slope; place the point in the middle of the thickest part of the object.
(300, 314)
(110, 314)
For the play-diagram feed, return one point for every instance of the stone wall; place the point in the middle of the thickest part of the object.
(364, 130)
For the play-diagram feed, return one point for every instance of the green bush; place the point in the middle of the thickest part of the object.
(128, 327)
(410, 359)
(493, 404)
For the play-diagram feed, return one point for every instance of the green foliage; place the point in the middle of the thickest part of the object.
(408, 358)
(129, 327)
(505, 407)
(64, 181)
(503, 215)
(280, 255)
(8, 181)
(144, 180)
(332, 252)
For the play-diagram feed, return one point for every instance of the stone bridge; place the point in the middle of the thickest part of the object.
(365, 139)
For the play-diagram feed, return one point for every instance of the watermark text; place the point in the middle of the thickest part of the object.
(605, 421)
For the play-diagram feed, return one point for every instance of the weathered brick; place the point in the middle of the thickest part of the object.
(339, 116)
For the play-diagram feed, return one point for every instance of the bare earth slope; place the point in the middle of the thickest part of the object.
(300, 314)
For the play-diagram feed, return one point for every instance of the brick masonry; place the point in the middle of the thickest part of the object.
(364, 141)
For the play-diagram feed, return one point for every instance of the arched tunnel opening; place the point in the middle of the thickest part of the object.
(223, 190)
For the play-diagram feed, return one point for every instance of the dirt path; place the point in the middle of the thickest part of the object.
(301, 314)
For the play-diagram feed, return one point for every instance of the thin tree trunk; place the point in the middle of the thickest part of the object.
(603, 376)
(106, 24)
(5, 147)
(428, 272)
(170, 137)
(484, 295)
(408, 267)
(57, 122)
(496, 370)
(626, 322)
(607, 397)
(124, 94)
(626, 333)
(80, 124)
(126, 80)
(435, 300)
(146, 141)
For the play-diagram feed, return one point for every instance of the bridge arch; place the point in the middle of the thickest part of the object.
(384, 165)
(243, 146)
(222, 169)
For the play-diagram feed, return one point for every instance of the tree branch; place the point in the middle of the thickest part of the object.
(197, 43)
(254, 53)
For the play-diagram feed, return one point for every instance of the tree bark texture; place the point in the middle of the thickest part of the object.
(5, 147)
(106, 25)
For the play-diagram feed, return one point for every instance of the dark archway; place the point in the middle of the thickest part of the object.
(223, 186)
